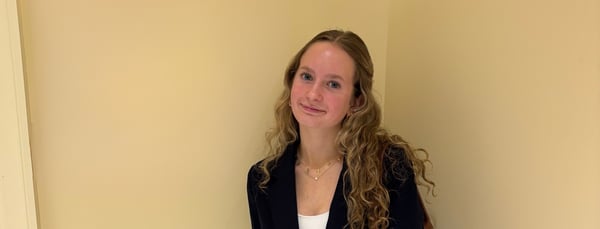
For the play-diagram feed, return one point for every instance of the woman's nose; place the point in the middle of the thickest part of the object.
(314, 92)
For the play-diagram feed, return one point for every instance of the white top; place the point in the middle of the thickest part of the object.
(313, 221)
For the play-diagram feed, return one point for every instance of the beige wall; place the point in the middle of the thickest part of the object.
(506, 97)
(148, 114)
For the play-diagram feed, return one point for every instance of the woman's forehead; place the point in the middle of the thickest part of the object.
(326, 58)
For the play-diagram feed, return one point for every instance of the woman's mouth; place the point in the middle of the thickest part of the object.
(311, 109)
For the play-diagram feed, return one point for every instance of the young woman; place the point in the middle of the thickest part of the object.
(330, 164)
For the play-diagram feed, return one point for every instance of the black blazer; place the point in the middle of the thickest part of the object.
(276, 206)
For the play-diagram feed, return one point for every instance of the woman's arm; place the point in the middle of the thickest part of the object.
(406, 210)
(251, 190)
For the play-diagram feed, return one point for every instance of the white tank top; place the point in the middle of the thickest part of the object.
(313, 221)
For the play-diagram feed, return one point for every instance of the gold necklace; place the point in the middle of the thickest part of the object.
(320, 171)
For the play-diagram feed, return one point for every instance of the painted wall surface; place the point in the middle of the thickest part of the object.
(506, 97)
(148, 114)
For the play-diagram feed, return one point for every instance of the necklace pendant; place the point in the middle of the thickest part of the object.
(316, 178)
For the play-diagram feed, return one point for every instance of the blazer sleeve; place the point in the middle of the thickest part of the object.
(256, 199)
(406, 211)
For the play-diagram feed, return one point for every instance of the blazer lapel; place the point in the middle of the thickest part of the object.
(338, 209)
(282, 195)
(282, 191)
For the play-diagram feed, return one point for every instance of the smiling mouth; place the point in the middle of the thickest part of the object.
(311, 109)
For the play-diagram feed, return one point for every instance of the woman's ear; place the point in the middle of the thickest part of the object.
(356, 103)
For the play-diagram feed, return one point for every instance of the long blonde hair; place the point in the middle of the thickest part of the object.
(361, 138)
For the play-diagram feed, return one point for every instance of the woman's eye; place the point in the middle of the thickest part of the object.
(305, 76)
(333, 84)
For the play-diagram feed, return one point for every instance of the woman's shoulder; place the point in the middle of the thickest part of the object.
(397, 165)
(396, 155)
(274, 167)
(255, 173)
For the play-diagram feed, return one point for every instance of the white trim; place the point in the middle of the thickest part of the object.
(24, 153)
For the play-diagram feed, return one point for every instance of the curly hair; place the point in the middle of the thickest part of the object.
(362, 140)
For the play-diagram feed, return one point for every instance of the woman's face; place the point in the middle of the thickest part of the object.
(322, 88)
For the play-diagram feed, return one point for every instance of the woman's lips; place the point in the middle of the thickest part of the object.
(311, 109)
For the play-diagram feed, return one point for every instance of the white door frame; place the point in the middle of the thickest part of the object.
(17, 199)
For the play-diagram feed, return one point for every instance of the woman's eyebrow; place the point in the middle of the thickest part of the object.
(335, 76)
(330, 76)
(306, 69)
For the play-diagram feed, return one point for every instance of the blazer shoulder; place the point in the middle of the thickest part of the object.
(406, 210)
(397, 166)
(255, 173)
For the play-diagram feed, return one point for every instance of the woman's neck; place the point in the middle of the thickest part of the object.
(317, 147)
